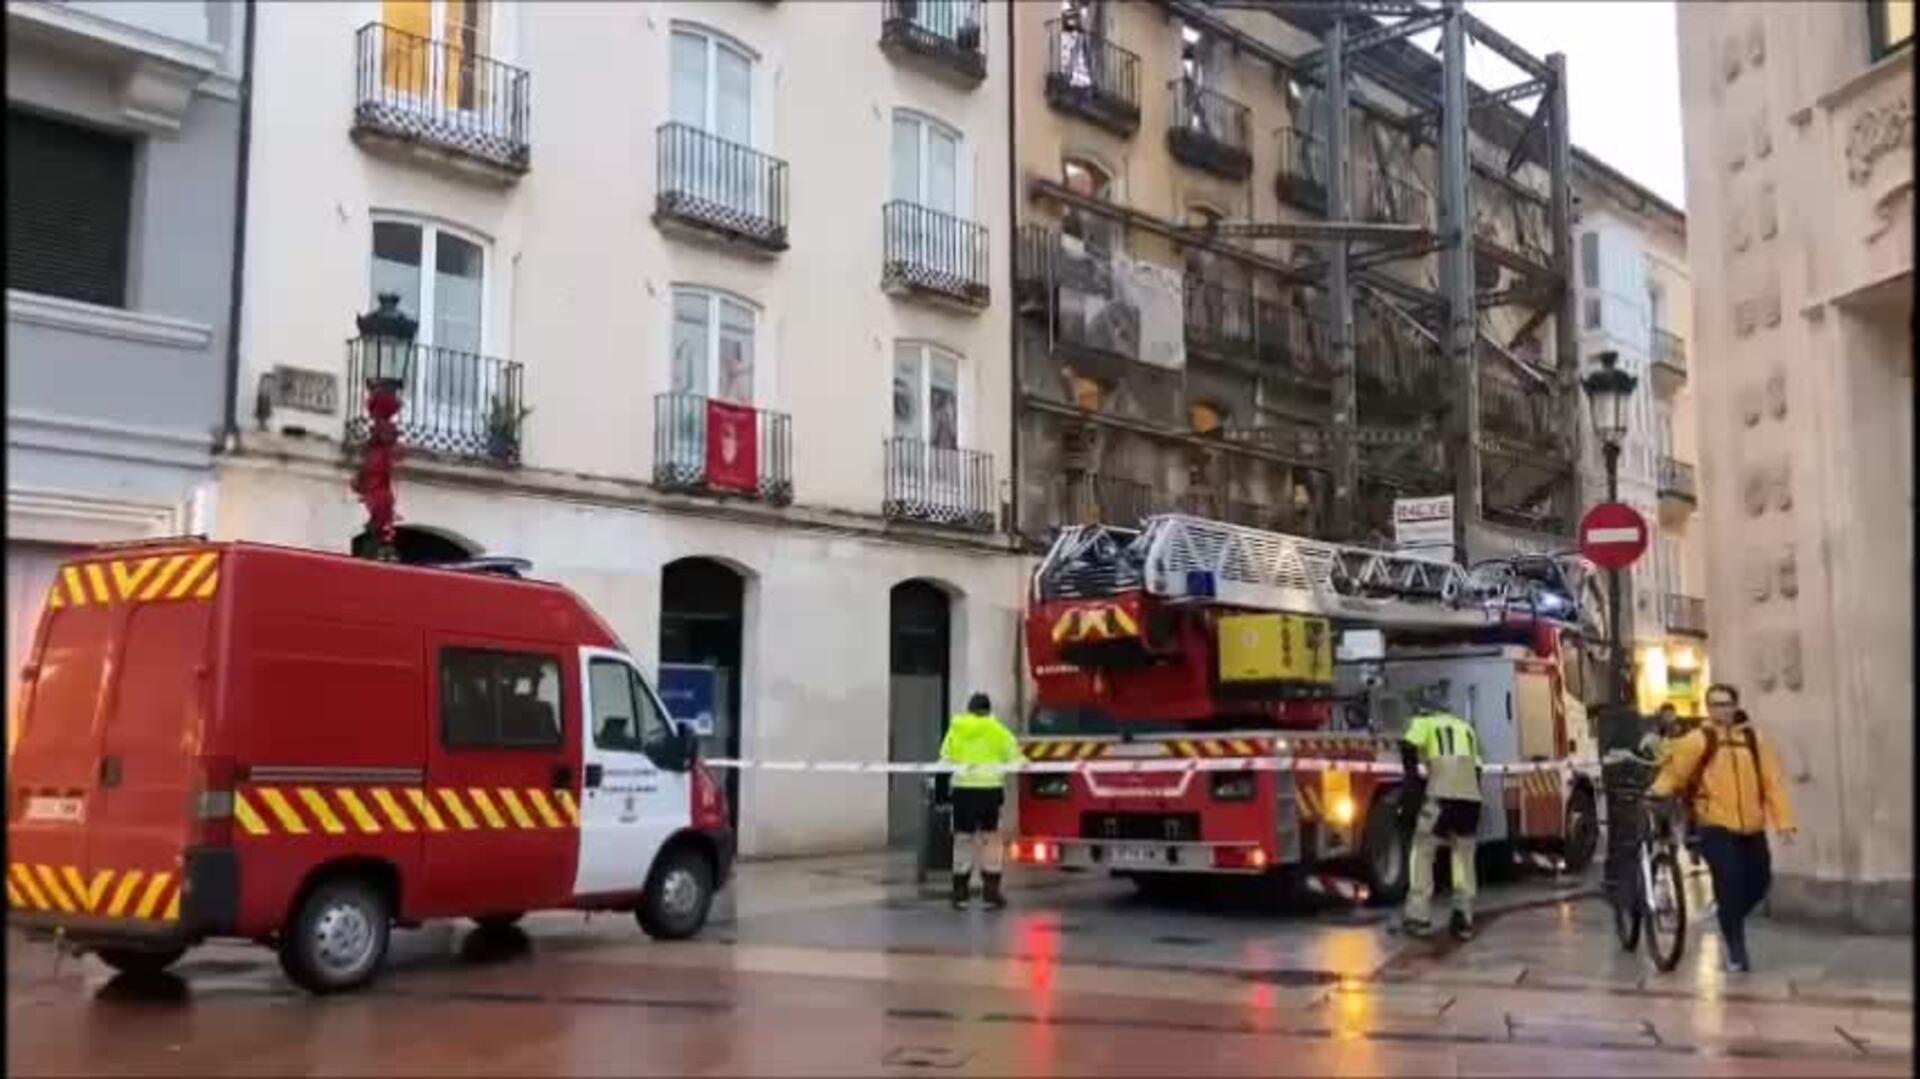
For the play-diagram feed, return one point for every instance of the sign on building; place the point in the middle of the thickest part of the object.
(1423, 527)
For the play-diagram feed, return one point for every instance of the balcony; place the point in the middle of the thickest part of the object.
(456, 404)
(1669, 362)
(1088, 498)
(439, 99)
(1219, 321)
(1386, 199)
(720, 189)
(1093, 78)
(1290, 343)
(1401, 379)
(934, 255)
(1686, 615)
(710, 447)
(1210, 132)
(947, 37)
(1511, 414)
(1678, 493)
(939, 485)
(1302, 179)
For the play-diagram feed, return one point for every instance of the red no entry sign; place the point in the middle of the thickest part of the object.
(1613, 535)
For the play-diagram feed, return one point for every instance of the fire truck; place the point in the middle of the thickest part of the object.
(1267, 677)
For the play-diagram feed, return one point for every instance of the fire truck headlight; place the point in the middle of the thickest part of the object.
(1343, 811)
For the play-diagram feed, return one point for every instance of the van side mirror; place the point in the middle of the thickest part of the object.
(686, 744)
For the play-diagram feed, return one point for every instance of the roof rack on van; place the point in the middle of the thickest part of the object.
(498, 565)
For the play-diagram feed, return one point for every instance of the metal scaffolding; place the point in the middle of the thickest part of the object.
(1370, 39)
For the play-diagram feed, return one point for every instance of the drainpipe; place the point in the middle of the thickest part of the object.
(230, 430)
(1016, 382)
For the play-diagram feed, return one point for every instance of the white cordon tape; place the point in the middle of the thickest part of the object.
(1128, 767)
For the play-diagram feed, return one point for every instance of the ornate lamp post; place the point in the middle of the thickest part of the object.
(1609, 391)
(385, 348)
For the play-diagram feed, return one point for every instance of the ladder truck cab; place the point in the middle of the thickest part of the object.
(1216, 699)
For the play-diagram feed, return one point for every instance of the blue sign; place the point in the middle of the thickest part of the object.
(688, 691)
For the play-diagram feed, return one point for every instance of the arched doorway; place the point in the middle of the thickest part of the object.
(919, 650)
(702, 614)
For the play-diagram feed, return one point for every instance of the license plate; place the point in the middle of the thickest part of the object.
(68, 810)
(1135, 855)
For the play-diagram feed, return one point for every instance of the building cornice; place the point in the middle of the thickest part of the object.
(34, 309)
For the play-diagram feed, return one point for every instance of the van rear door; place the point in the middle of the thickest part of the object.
(113, 735)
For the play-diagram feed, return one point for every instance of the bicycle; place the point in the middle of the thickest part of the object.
(1651, 898)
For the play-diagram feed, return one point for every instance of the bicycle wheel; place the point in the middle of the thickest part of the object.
(1626, 910)
(1666, 921)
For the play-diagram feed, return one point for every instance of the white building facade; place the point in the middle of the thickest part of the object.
(710, 327)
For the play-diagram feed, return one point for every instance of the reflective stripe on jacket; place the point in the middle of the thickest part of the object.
(1451, 751)
(1740, 790)
(982, 746)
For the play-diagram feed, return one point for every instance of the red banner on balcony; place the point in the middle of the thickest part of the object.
(733, 458)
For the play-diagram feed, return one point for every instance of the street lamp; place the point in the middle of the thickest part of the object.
(385, 350)
(1609, 390)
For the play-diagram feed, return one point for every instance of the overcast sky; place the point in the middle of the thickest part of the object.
(1622, 67)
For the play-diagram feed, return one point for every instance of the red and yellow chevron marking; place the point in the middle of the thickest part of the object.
(1220, 747)
(1096, 623)
(157, 579)
(153, 895)
(1063, 750)
(327, 810)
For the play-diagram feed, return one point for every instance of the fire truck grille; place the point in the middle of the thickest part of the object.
(1162, 827)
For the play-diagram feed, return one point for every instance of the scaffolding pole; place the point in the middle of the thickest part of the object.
(1346, 467)
(1566, 339)
(1456, 275)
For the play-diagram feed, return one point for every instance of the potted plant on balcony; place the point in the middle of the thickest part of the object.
(504, 418)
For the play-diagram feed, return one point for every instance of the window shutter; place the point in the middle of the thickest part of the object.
(69, 208)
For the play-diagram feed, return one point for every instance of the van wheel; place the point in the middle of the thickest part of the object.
(338, 938)
(137, 961)
(679, 891)
(493, 923)
(1582, 831)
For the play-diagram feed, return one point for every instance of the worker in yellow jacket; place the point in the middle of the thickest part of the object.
(1729, 780)
(982, 747)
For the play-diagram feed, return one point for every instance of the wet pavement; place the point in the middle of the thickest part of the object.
(840, 966)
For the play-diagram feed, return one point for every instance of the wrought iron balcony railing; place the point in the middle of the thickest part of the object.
(1089, 498)
(1210, 131)
(1302, 178)
(1093, 78)
(1670, 351)
(1400, 379)
(932, 252)
(950, 33)
(1686, 614)
(721, 187)
(455, 403)
(1516, 414)
(441, 95)
(1386, 199)
(1290, 341)
(1219, 320)
(940, 485)
(750, 457)
(1676, 480)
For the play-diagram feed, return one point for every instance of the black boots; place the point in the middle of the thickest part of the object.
(990, 890)
(962, 889)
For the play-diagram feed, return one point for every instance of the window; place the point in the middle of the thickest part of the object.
(69, 210)
(712, 85)
(625, 716)
(713, 346)
(926, 395)
(1083, 177)
(1207, 418)
(1890, 25)
(926, 163)
(441, 280)
(445, 75)
(499, 700)
(1590, 259)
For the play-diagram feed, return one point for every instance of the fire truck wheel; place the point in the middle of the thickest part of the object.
(139, 961)
(1583, 830)
(1384, 850)
(338, 937)
(678, 894)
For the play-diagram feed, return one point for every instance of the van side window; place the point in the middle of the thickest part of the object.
(624, 716)
(495, 699)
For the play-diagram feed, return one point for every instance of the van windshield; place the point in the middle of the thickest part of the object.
(1094, 723)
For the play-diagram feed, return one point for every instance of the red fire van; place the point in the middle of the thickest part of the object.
(304, 750)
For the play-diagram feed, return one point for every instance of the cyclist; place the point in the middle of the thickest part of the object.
(1730, 780)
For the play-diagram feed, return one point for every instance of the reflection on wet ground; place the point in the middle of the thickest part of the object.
(840, 967)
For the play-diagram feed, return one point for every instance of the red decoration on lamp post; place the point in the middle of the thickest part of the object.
(386, 350)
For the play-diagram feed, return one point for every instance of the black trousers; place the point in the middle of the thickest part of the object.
(1742, 870)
